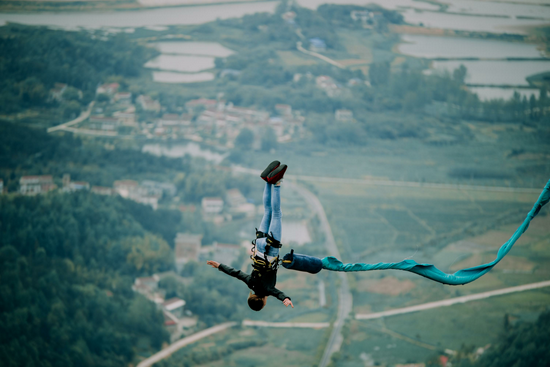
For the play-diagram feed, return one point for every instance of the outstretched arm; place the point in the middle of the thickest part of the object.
(213, 263)
(281, 297)
(229, 271)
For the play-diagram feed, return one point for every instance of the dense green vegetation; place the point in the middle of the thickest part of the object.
(522, 345)
(67, 265)
(35, 58)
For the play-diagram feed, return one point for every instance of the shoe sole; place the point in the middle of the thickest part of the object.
(277, 174)
(273, 165)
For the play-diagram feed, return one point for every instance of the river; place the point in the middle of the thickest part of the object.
(178, 64)
(140, 18)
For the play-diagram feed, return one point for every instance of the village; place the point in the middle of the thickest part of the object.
(209, 121)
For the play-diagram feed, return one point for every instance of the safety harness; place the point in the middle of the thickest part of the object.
(260, 264)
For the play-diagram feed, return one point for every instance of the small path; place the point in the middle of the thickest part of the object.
(319, 56)
(183, 342)
(396, 183)
(452, 301)
(83, 116)
(310, 325)
(88, 131)
(415, 184)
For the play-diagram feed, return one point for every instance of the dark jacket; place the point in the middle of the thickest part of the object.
(262, 284)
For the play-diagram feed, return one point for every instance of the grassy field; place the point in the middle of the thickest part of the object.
(452, 229)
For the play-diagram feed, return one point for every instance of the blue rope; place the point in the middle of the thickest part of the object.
(429, 271)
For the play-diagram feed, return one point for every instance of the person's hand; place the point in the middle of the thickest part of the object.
(287, 302)
(213, 263)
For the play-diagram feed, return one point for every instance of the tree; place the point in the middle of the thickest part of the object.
(379, 73)
(245, 139)
(32, 91)
(71, 94)
(71, 109)
(269, 140)
(460, 73)
(102, 97)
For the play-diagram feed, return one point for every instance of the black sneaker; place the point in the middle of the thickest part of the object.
(273, 165)
(277, 174)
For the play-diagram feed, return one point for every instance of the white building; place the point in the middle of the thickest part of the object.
(174, 306)
(148, 104)
(212, 205)
(130, 189)
(187, 248)
(57, 92)
(343, 115)
(102, 190)
(125, 187)
(33, 185)
(109, 88)
(124, 98)
(234, 198)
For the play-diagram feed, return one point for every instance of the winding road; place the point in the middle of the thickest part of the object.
(345, 300)
(83, 116)
(453, 301)
(166, 352)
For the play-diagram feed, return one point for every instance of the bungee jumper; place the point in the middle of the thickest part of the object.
(266, 245)
(265, 251)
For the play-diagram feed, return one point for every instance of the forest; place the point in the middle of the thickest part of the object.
(525, 344)
(67, 266)
(35, 58)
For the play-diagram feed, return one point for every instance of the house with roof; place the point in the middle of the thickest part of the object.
(343, 115)
(125, 187)
(234, 198)
(123, 98)
(125, 118)
(174, 306)
(148, 287)
(99, 122)
(187, 248)
(202, 103)
(289, 17)
(109, 89)
(229, 73)
(34, 185)
(71, 186)
(159, 188)
(212, 205)
(328, 84)
(148, 104)
(317, 45)
(221, 252)
(284, 110)
(238, 205)
(102, 190)
(56, 93)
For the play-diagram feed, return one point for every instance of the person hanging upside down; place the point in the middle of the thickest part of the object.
(265, 255)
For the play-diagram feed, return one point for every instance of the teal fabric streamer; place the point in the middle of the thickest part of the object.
(429, 271)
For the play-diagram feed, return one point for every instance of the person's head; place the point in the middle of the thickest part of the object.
(256, 302)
